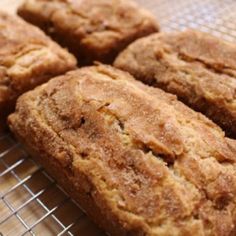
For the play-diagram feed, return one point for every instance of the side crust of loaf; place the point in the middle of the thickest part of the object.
(27, 58)
(199, 68)
(91, 29)
(137, 160)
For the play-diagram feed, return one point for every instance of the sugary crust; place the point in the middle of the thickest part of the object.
(27, 58)
(91, 29)
(137, 160)
(199, 68)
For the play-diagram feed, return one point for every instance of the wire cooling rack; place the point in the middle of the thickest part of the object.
(31, 203)
(214, 16)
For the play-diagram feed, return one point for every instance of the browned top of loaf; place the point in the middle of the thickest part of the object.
(197, 66)
(95, 27)
(159, 166)
(27, 58)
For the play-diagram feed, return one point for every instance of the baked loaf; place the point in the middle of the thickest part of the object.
(27, 58)
(137, 160)
(91, 29)
(199, 68)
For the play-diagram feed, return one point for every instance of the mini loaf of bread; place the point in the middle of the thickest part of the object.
(137, 160)
(199, 68)
(91, 29)
(27, 58)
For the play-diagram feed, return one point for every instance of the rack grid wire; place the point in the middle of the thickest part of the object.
(31, 202)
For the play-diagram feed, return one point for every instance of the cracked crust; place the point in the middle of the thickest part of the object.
(27, 58)
(199, 68)
(138, 161)
(91, 29)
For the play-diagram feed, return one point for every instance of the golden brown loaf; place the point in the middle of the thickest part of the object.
(137, 160)
(91, 29)
(199, 68)
(27, 58)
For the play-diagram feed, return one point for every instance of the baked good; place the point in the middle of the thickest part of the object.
(138, 161)
(199, 68)
(27, 58)
(91, 29)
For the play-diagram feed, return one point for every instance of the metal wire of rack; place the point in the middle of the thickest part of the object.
(31, 202)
